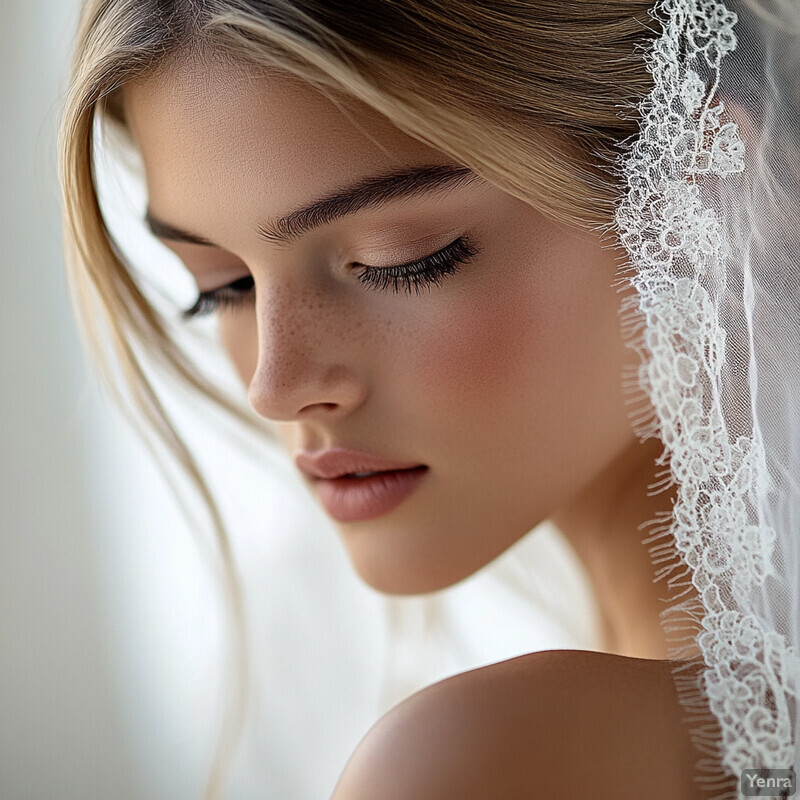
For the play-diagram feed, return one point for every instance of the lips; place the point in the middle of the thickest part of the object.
(337, 463)
(354, 486)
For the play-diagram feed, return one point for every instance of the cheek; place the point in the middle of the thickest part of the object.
(534, 354)
(467, 353)
(477, 347)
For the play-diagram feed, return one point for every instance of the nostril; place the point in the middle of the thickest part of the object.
(323, 406)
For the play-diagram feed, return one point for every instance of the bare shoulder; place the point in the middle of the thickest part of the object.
(557, 723)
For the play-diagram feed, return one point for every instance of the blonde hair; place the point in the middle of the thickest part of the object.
(534, 97)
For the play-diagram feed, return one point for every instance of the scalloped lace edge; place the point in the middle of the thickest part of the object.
(747, 678)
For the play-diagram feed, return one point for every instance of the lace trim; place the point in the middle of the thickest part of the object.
(675, 245)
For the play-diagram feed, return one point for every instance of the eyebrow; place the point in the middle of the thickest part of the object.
(370, 192)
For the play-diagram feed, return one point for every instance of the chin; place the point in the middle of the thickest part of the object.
(420, 554)
(392, 572)
(399, 585)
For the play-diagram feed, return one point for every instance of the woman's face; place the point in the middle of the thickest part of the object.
(493, 367)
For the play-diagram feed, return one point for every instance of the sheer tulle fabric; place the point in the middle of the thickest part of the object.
(710, 218)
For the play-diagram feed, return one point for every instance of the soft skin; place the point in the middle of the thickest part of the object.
(505, 380)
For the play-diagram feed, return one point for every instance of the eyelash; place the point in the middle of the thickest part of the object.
(412, 276)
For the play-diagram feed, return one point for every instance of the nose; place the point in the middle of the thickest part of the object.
(307, 363)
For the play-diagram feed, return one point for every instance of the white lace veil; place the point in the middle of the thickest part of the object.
(710, 217)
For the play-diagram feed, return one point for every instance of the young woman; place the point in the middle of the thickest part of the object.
(403, 217)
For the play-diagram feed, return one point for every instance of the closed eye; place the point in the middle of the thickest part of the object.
(410, 277)
(232, 295)
(426, 272)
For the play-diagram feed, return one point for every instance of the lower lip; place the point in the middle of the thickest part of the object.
(356, 499)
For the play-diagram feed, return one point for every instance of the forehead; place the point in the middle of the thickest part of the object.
(217, 137)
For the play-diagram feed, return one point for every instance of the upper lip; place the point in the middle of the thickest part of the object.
(337, 462)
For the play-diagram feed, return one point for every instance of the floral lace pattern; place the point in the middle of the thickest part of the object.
(676, 246)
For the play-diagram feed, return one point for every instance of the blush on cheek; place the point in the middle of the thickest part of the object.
(472, 352)
(484, 342)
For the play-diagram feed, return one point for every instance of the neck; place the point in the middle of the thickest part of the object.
(602, 524)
